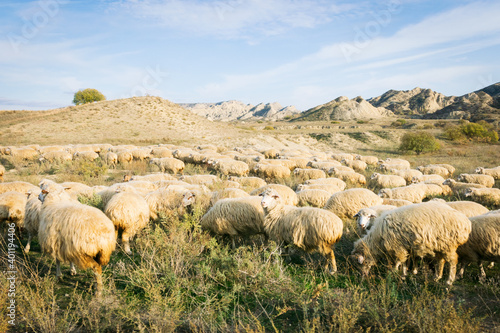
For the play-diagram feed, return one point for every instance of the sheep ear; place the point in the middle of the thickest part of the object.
(45, 191)
(372, 216)
(361, 260)
(275, 196)
(357, 215)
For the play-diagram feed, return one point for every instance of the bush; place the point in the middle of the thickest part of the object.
(481, 131)
(88, 96)
(268, 128)
(419, 142)
(398, 123)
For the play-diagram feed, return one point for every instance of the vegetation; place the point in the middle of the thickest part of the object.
(419, 142)
(466, 131)
(88, 96)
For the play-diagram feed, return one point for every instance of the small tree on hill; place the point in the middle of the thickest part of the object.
(419, 142)
(88, 96)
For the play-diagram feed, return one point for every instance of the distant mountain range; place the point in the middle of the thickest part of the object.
(418, 102)
(236, 110)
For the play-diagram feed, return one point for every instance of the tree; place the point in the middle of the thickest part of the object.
(88, 96)
(419, 142)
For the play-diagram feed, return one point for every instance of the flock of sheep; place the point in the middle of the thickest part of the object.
(396, 216)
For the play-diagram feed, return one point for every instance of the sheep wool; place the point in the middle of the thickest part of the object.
(347, 203)
(12, 208)
(32, 218)
(288, 196)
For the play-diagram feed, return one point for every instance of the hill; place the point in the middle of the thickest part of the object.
(236, 110)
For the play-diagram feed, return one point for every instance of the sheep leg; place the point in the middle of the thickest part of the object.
(452, 260)
(482, 273)
(58, 269)
(491, 265)
(72, 269)
(330, 261)
(28, 245)
(438, 274)
(98, 275)
(126, 242)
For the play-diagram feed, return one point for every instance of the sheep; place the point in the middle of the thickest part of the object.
(58, 156)
(330, 188)
(235, 217)
(12, 208)
(469, 208)
(306, 174)
(270, 171)
(378, 181)
(309, 228)
(397, 162)
(347, 203)
(271, 153)
(348, 176)
(2, 172)
(24, 153)
(288, 196)
(365, 217)
(110, 158)
(414, 193)
(18, 186)
(32, 217)
(107, 193)
(226, 194)
(282, 162)
(331, 180)
(251, 182)
(493, 172)
(323, 165)
(357, 165)
(396, 202)
(160, 152)
(76, 190)
(47, 149)
(342, 156)
(200, 179)
(140, 154)
(430, 229)
(124, 157)
(385, 167)
(449, 167)
(170, 199)
(408, 174)
(370, 160)
(153, 177)
(432, 169)
(313, 197)
(86, 155)
(129, 213)
(300, 162)
(231, 167)
(485, 180)
(459, 188)
(74, 232)
(169, 164)
(434, 179)
(488, 196)
(483, 243)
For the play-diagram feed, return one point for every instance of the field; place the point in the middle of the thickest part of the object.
(182, 279)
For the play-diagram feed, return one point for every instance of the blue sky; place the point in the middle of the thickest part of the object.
(295, 52)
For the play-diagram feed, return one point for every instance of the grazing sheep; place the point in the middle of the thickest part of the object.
(235, 217)
(469, 208)
(110, 158)
(348, 176)
(414, 193)
(129, 213)
(154, 177)
(251, 182)
(58, 156)
(175, 199)
(493, 172)
(449, 167)
(330, 188)
(32, 217)
(396, 202)
(366, 216)
(160, 152)
(483, 243)
(409, 175)
(356, 165)
(459, 188)
(428, 179)
(107, 193)
(378, 181)
(347, 203)
(24, 153)
(488, 196)
(430, 229)
(86, 155)
(124, 157)
(485, 180)
(18, 186)
(231, 167)
(270, 171)
(370, 160)
(310, 229)
(397, 162)
(313, 197)
(226, 194)
(169, 164)
(2, 172)
(288, 196)
(323, 165)
(342, 156)
(271, 153)
(200, 179)
(76, 190)
(12, 208)
(306, 174)
(432, 169)
(140, 154)
(332, 181)
(74, 232)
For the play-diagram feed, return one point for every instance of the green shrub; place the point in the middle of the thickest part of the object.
(480, 131)
(398, 123)
(419, 142)
(268, 128)
(88, 96)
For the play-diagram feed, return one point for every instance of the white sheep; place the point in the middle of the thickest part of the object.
(270, 171)
(366, 216)
(370, 160)
(331, 180)
(330, 188)
(428, 179)
(153, 177)
(408, 175)
(430, 229)
(32, 217)
(488, 196)
(469, 208)
(356, 165)
(313, 197)
(227, 193)
(433, 169)
(141, 154)
(347, 203)
(342, 156)
(58, 156)
(86, 155)
(396, 202)
(17, 186)
(396, 162)
(124, 157)
(323, 165)
(493, 172)
(348, 176)
(306, 174)
(483, 243)
(169, 164)
(235, 217)
(231, 167)
(129, 213)
(110, 158)
(379, 181)
(459, 188)
(250, 182)
(160, 152)
(485, 180)
(12, 208)
(288, 196)
(200, 179)
(24, 153)
(308, 228)
(414, 193)
(2, 172)
(74, 232)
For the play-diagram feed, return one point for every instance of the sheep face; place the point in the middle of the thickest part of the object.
(362, 262)
(188, 199)
(479, 170)
(385, 193)
(364, 217)
(270, 199)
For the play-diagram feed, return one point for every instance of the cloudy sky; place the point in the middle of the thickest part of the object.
(295, 52)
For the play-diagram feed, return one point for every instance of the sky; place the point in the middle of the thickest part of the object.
(295, 52)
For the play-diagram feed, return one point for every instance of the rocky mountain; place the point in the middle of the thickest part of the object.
(236, 110)
(343, 108)
(415, 101)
